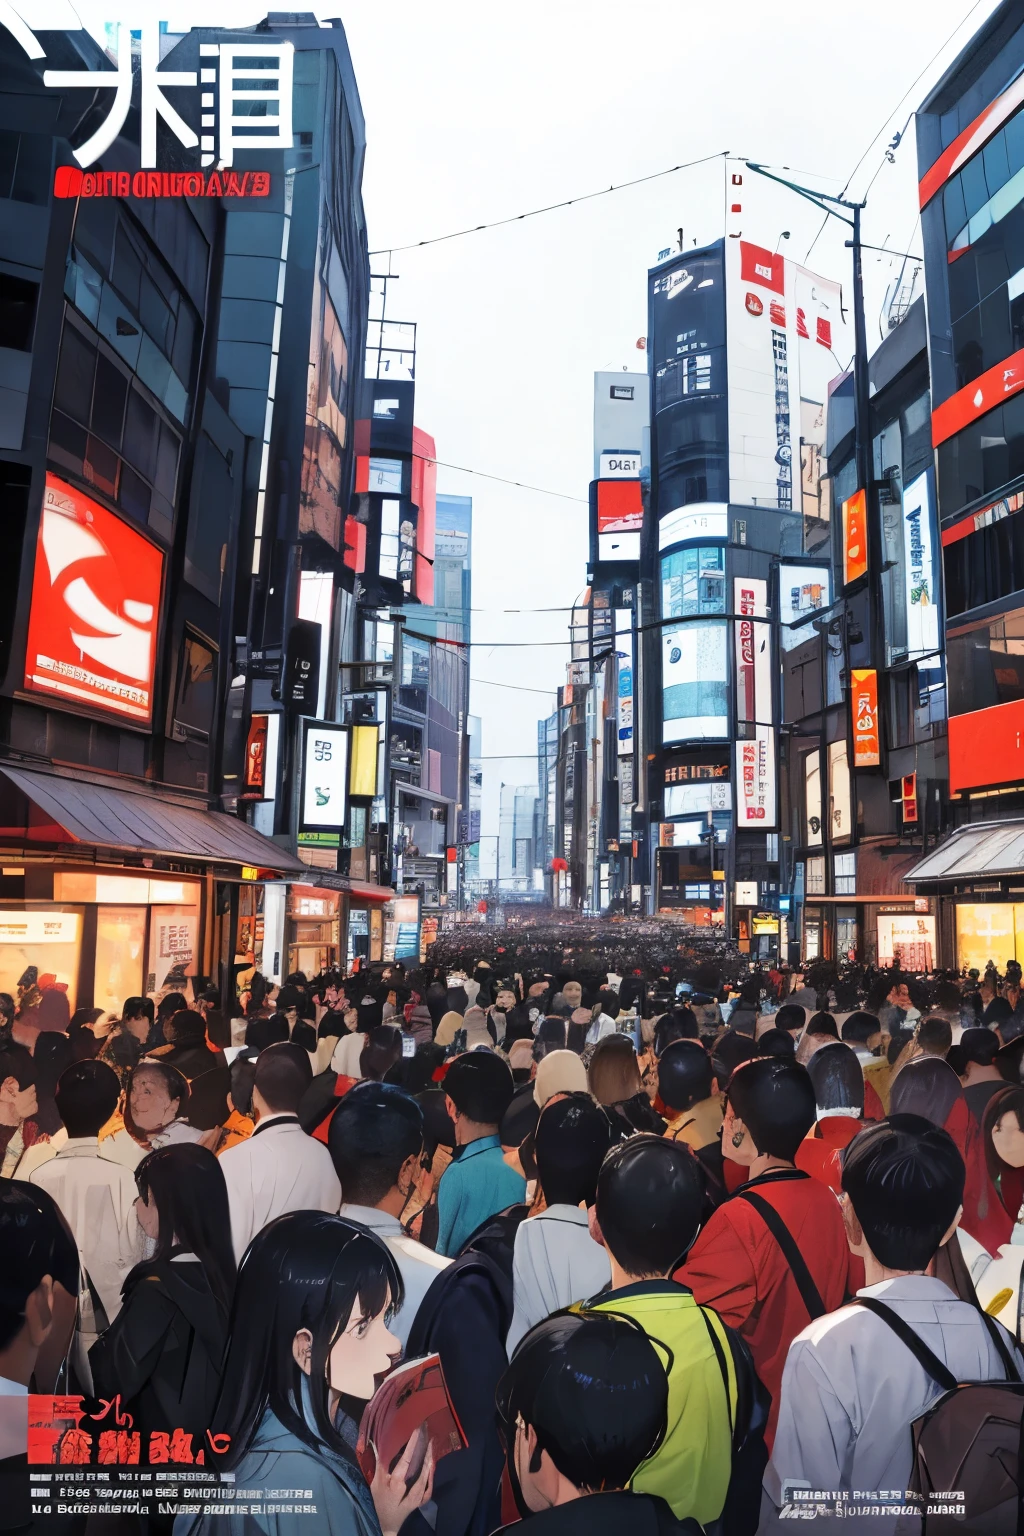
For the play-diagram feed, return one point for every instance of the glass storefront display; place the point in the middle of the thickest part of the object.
(314, 920)
(45, 936)
(846, 933)
(906, 939)
(989, 930)
(812, 935)
(120, 950)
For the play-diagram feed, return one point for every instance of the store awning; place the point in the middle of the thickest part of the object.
(355, 890)
(987, 848)
(136, 822)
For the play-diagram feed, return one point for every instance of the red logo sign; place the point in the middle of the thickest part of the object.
(864, 705)
(95, 607)
(987, 747)
(760, 266)
(754, 305)
(777, 313)
(977, 398)
(69, 181)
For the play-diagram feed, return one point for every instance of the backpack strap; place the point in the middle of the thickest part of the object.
(724, 1368)
(1006, 1359)
(929, 1362)
(790, 1252)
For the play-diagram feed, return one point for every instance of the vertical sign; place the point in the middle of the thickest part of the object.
(324, 777)
(864, 704)
(855, 537)
(755, 751)
(919, 568)
(256, 758)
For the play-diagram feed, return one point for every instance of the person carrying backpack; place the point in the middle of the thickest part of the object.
(869, 1402)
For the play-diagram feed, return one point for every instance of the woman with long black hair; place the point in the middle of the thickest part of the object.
(163, 1352)
(309, 1325)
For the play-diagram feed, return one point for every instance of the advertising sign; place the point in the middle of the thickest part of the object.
(324, 777)
(619, 506)
(803, 591)
(755, 779)
(855, 537)
(695, 671)
(745, 893)
(906, 939)
(786, 325)
(706, 520)
(697, 799)
(753, 651)
(987, 747)
(839, 790)
(919, 568)
(619, 466)
(95, 607)
(864, 705)
(39, 927)
(255, 778)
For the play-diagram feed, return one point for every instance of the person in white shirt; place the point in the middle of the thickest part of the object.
(96, 1196)
(376, 1142)
(279, 1168)
(556, 1261)
(851, 1388)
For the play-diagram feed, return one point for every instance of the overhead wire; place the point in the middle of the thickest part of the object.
(533, 213)
(482, 474)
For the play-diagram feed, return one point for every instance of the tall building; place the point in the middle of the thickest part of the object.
(184, 316)
(515, 851)
(970, 138)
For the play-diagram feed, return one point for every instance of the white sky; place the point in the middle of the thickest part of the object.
(475, 112)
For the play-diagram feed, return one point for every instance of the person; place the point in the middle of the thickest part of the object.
(478, 1182)
(839, 1097)
(376, 1143)
(556, 1261)
(934, 1036)
(97, 1197)
(613, 1078)
(163, 1351)
(775, 1042)
(820, 1029)
(743, 1018)
(688, 1093)
(309, 1324)
(156, 1106)
(187, 1049)
(851, 1389)
(278, 1168)
(980, 1076)
(583, 1405)
(19, 1106)
(742, 1262)
(792, 1018)
(218, 1027)
(650, 1196)
(38, 1303)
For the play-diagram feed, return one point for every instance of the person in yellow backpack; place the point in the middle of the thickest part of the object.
(650, 1200)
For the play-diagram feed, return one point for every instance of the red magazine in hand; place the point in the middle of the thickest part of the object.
(414, 1397)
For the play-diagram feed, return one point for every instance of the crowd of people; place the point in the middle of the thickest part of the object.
(695, 1252)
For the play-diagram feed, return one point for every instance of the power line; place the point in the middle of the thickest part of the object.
(483, 475)
(532, 213)
(516, 687)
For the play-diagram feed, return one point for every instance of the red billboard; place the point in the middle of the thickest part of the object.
(985, 747)
(95, 607)
(620, 507)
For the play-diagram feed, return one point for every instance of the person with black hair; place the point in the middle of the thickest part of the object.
(792, 1018)
(851, 1388)
(156, 1106)
(309, 1326)
(376, 1142)
(821, 1027)
(556, 1261)
(187, 1049)
(96, 1195)
(478, 1182)
(775, 1252)
(583, 1405)
(978, 1071)
(935, 1036)
(650, 1197)
(775, 1042)
(278, 1168)
(689, 1097)
(163, 1351)
(839, 1097)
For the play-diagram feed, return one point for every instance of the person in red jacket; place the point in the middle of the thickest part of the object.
(839, 1095)
(774, 1256)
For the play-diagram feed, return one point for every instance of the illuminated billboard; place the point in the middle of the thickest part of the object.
(864, 706)
(920, 572)
(324, 796)
(95, 608)
(804, 590)
(695, 672)
(786, 330)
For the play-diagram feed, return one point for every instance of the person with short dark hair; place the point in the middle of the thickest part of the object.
(478, 1182)
(97, 1195)
(792, 1018)
(688, 1090)
(851, 1388)
(187, 1048)
(163, 1351)
(935, 1036)
(375, 1140)
(278, 1168)
(738, 1265)
(775, 1042)
(556, 1261)
(979, 1073)
(584, 1404)
(839, 1097)
(650, 1197)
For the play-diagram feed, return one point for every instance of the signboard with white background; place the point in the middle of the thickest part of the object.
(324, 777)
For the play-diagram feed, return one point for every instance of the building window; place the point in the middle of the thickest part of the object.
(815, 877)
(104, 429)
(845, 868)
(17, 312)
(25, 162)
(693, 582)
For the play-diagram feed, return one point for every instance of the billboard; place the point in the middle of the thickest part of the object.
(786, 329)
(697, 799)
(624, 706)
(987, 747)
(803, 591)
(95, 608)
(855, 537)
(695, 673)
(755, 779)
(618, 512)
(919, 568)
(701, 521)
(755, 750)
(864, 705)
(324, 777)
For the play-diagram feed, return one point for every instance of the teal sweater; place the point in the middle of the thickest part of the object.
(476, 1184)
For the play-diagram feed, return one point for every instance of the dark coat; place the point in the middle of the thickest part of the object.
(192, 1058)
(163, 1351)
(608, 1514)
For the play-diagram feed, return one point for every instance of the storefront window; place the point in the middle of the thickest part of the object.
(173, 949)
(989, 930)
(846, 933)
(120, 953)
(47, 938)
(693, 582)
(906, 939)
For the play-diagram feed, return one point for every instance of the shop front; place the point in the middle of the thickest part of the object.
(976, 878)
(329, 921)
(117, 893)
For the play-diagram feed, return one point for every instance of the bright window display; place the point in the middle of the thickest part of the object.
(989, 930)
